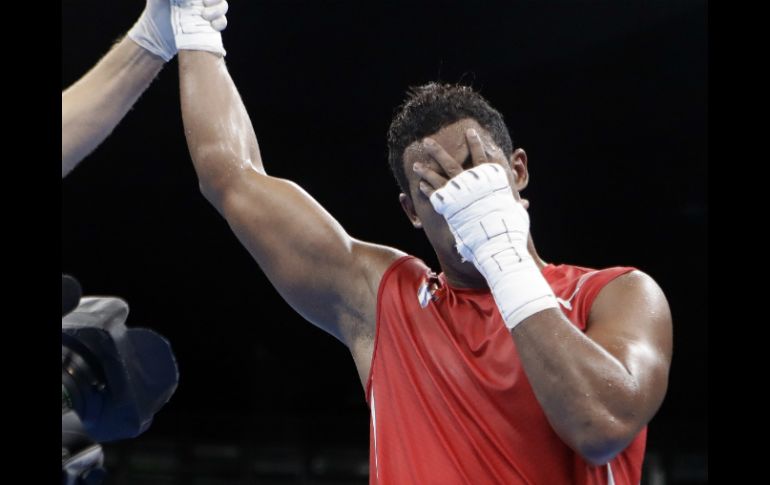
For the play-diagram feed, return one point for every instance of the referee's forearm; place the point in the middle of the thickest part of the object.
(95, 104)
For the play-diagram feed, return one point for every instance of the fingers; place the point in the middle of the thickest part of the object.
(219, 24)
(427, 190)
(430, 180)
(214, 8)
(450, 166)
(214, 11)
(476, 147)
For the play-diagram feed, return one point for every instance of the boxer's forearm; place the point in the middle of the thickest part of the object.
(219, 133)
(590, 399)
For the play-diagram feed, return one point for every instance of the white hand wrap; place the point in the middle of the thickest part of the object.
(197, 24)
(153, 30)
(491, 228)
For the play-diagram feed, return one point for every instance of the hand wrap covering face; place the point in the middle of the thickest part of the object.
(491, 228)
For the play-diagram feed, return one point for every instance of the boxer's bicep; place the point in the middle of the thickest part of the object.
(326, 275)
(631, 320)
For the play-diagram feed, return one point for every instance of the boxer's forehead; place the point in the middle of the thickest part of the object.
(451, 138)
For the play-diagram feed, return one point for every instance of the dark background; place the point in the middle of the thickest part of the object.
(608, 98)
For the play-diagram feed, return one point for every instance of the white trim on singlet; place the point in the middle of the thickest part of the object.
(610, 478)
(567, 303)
(374, 433)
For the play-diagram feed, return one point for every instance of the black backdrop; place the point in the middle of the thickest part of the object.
(608, 98)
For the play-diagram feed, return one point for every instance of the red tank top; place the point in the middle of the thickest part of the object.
(449, 400)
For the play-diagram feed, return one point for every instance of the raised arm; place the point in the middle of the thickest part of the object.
(96, 103)
(327, 276)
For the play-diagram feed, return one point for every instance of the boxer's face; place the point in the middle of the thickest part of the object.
(418, 207)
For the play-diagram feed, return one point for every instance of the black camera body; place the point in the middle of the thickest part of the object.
(114, 380)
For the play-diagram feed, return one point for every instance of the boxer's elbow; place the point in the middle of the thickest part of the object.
(599, 443)
(219, 169)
